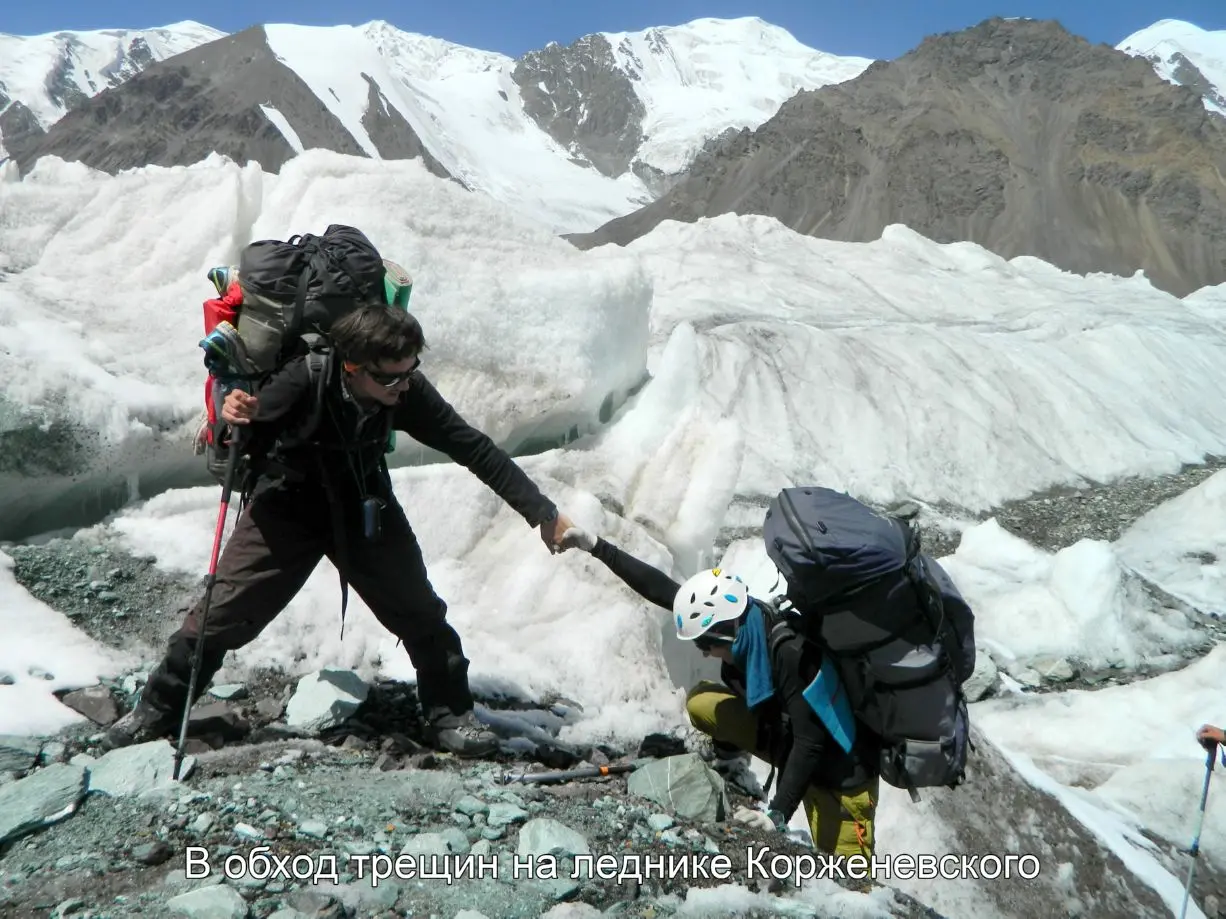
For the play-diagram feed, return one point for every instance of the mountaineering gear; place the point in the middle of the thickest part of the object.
(283, 298)
(230, 368)
(828, 698)
(891, 618)
(317, 279)
(587, 772)
(578, 538)
(708, 597)
(752, 657)
(462, 735)
(793, 735)
(141, 725)
(839, 794)
(210, 582)
(1194, 849)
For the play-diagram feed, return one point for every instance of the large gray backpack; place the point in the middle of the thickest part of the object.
(891, 617)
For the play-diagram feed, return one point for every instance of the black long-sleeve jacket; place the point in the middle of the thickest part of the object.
(304, 437)
(809, 756)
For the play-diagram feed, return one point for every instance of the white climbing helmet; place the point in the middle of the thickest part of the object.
(707, 599)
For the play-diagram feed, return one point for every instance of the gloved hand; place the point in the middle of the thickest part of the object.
(766, 821)
(578, 538)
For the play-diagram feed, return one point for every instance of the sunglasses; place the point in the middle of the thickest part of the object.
(720, 635)
(388, 380)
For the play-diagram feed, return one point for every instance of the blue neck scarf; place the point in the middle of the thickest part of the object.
(752, 656)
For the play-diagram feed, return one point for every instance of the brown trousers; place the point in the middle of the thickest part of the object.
(275, 546)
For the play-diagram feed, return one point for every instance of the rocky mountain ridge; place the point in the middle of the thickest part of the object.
(1014, 134)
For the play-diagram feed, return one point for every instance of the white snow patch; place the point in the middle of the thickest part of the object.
(1181, 546)
(42, 652)
(281, 123)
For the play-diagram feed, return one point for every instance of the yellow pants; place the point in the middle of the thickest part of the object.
(841, 822)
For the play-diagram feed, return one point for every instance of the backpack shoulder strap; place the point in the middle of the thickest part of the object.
(319, 371)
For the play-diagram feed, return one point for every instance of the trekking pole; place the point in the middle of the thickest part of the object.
(1194, 851)
(589, 772)
(198, 658)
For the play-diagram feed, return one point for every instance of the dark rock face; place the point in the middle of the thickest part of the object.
(19, 129)
(392, 136)
(178, 111)
(580, 97)
(1014, 134)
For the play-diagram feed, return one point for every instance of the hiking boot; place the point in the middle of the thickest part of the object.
(141, 725)
(462, 735)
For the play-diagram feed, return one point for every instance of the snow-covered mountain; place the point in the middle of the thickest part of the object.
(1186, 54)
(605, 118)
(47, 75)
(684, 85)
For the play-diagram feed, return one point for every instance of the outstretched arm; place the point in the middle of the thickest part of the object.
(426, 416)
(647, 581)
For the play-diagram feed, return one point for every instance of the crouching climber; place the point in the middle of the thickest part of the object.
(771, 701)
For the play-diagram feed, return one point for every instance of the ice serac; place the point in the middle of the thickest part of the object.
(1015, 135)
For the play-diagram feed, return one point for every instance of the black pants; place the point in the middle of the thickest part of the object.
(276, 544)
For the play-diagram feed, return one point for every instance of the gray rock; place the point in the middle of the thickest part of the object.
(426, 844)
(152, 853)
(214, 902)
(314, 903)
(492, 832)
(660, 822)
(203, 823)
(96, 703)
(481, 847)
(983, 681)
(546, 836)
(364, 897)
(69, 908)
(52, 752)
(18, 754)
(470, 914)
(247, 831)
(685, 784)
(457, 841)
(45, 797)
(1055, 670)
(470, 806)
(229, 691)
(287, 913)
(325, 699)
(504, 814)
(316, 828)
(137, 769)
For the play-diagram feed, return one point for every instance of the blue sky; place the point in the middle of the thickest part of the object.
(871, 28)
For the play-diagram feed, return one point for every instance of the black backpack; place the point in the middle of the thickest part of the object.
(901, 633)
(292, 293)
